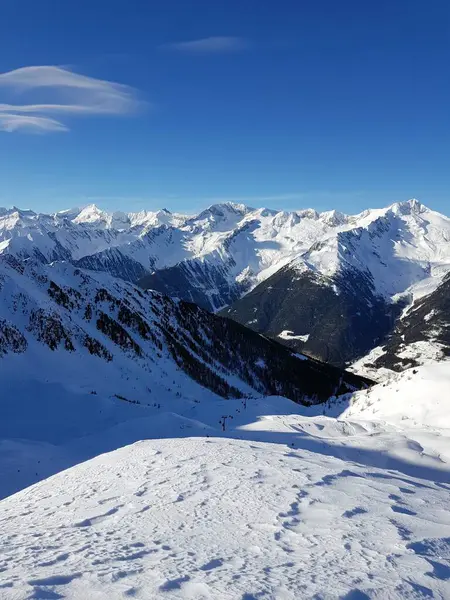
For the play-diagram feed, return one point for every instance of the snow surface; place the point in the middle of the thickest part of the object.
(215, 518)
(419, 395)
(286, 503)
(286, 334)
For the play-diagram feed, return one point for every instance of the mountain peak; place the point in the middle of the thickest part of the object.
(333, 218)
(69, 213)
(91, 209)
(408, 207)
(234, 207)
(91, 214)
(11, 217)
(222, 211)
(23, 212)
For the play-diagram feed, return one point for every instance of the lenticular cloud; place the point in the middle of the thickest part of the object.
(64, 93)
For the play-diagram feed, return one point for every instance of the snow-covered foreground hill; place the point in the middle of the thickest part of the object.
(286, 503)
(418, 396)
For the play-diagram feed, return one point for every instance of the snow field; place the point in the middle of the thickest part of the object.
(211, 518)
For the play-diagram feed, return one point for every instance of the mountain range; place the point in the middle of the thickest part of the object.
(328, 285)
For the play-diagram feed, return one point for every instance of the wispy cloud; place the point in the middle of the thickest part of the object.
(209, 45)
(68, 93)
(11, 122)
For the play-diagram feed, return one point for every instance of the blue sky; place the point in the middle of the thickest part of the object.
(137, 104)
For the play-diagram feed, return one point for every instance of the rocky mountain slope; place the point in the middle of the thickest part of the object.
(334, 319)
(421, 335)
(62, 324)
(341, 298)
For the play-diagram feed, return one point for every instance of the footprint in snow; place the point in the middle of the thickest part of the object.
(358, 510)
(98, 518)
(395, 497)
(55, 579)
(404, 533)
(50, 563)
(212, 564)
(174, 584)
(434, 551)
(106, 500)
(403, 511)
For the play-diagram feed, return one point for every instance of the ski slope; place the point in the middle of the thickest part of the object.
(282, 502)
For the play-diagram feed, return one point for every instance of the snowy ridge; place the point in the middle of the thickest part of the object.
(399, 247)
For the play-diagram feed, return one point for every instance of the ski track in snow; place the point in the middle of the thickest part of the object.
(208, 518)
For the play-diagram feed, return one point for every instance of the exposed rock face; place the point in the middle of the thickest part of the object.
(334, 319)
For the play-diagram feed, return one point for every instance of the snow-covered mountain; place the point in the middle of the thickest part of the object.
(402, 250)
(325, 283)
(421, 335)
(162, 458)
(397, 247)
(341, 298)
(58, 321)
(75, 233)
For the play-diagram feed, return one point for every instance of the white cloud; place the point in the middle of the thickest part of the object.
(67, 93)
(12, 122)
(210, 45)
